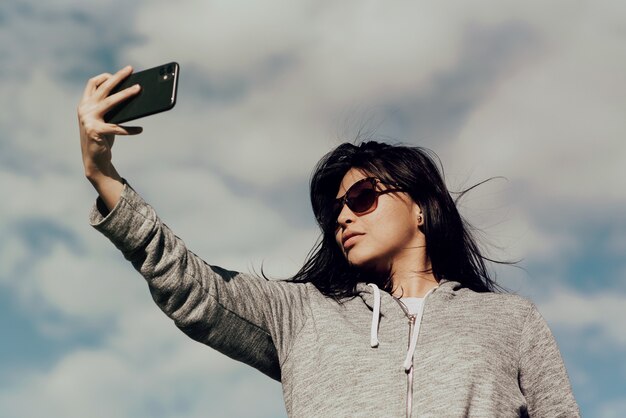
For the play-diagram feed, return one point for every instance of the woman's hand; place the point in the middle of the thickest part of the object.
(97, 136)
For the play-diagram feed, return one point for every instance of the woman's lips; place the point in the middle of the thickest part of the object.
(350, 239)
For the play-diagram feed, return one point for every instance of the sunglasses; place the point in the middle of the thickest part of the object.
(361, 197)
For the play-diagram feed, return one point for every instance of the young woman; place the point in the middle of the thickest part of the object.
(394, 313)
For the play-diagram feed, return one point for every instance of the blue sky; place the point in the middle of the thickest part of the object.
(531, 91)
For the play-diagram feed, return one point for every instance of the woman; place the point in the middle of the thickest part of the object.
(392, 315)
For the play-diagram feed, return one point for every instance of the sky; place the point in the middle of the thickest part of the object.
(532, 92)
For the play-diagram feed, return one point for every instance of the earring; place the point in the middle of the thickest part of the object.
(419, 219)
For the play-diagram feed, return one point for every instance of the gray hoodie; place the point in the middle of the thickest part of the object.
(465, 354)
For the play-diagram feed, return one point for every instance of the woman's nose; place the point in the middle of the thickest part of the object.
(346, 216)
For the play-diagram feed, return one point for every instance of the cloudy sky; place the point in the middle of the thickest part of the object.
(533, 91)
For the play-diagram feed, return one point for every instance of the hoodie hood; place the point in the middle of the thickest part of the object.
(446, 289)
(384, 304)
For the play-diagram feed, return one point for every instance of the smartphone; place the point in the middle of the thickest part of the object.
(158, 93)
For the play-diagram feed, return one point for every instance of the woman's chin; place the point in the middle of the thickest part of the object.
(364, 262)
(355, 258)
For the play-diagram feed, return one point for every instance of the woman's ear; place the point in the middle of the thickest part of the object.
(419, 215)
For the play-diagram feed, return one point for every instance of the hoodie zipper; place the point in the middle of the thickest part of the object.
(409, 374)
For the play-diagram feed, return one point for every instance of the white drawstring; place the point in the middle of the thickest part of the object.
(375, 316)
(408, 361)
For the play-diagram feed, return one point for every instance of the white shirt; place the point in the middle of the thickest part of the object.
(413, 304)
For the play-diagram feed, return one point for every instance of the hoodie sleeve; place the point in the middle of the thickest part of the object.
(248, 318)
(542, 376)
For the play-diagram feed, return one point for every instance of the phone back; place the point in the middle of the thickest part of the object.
(158, 93)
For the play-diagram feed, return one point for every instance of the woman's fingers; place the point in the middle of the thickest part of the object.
(96, 134)
(95, 108)
(93, 84)
(124, 130)
(104, 89)
(111, 101)
(97, 130)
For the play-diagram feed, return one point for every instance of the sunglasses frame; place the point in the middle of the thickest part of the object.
(339, 203)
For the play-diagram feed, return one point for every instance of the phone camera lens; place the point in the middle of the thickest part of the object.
(170, 69)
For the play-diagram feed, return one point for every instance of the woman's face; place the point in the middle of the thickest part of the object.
(384, 238)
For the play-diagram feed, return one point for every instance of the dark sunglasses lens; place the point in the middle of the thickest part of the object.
(337, 206)
(362, 197)
(359, 198)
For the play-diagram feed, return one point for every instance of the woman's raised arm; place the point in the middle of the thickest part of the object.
(97, 136)
(248, 318)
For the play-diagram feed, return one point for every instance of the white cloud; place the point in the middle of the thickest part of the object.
(148, 368)
(236, 38)
(506, 227)
(59, 197)
(601, 312)
(88, 288)
(566, 144)
(383, 52)
(217, 34)
(64, 38)
(50, 256)
(338, 55)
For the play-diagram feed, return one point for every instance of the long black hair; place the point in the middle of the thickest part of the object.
(452, 250)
